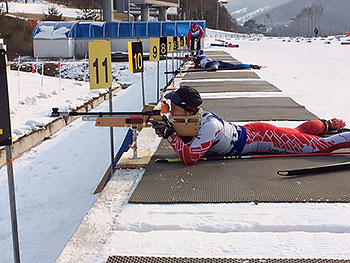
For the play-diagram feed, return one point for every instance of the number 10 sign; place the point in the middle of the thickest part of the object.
(100, 64)
(135, 56)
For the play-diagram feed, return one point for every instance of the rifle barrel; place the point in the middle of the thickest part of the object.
(56, 113)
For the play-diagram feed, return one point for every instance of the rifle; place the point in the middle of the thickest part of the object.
(183, 125)
(194, 70)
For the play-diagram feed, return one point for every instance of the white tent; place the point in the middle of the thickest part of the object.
(54, 39)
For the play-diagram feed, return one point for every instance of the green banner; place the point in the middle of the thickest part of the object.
(5, 124)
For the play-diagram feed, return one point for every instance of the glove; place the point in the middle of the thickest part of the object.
(163, 129)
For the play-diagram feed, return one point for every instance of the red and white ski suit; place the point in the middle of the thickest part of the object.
(219, 137)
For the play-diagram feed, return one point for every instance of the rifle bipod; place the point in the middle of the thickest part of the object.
(134, 144)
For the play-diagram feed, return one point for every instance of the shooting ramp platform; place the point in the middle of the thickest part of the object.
(243, 180)
(213, 182)
(231, 86)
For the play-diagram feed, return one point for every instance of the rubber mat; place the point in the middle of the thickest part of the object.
(139, 259)
(228, 74)
(221, 57)
(240, 180)
(232, 86)
(258, 109)
(217, 53)
(228, 59)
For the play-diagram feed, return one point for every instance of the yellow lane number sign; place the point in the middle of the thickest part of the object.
(163, 46)
(135, 56)
(100, 64)
(154, 49)
(170, 41)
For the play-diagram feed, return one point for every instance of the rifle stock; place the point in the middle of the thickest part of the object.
(183, 125)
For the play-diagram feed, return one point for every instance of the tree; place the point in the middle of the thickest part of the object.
(253, 27)
(87, 14)
(311, 14)
(251, 24)
(206, 10)
(53, 14)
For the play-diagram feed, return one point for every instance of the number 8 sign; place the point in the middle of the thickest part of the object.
(135, 56)
(154, 49)
(163, 46)
(100, 64)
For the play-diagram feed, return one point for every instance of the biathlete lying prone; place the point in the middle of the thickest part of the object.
(202, 61)
(219, 137)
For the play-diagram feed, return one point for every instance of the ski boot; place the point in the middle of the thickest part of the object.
(255, 66)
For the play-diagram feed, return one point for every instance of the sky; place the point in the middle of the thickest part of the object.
(55, 181)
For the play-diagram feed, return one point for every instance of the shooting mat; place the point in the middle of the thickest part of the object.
(240, 180)
(145, 259)
(258, 109)
(232, 86)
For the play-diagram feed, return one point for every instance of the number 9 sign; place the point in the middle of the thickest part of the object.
(154, 50)
(135, 56)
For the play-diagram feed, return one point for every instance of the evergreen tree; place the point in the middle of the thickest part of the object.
(53, 14)
(207, 10)
(87, 14)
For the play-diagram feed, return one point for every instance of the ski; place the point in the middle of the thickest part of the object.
(315, 169)
(262, 156)
(211, 158)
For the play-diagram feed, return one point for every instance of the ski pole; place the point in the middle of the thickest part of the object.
(316, 169)
(262, 156)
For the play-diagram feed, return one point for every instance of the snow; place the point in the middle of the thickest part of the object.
(248, 230)
(39, 7)
(47, 176)
(55, 181)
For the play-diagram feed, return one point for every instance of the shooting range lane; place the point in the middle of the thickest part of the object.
(232, 86)
(237, 181)
(258, 109)
(223, 56)
(221, 74)
(241, 180)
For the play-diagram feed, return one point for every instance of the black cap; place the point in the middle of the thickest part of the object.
(186, 97)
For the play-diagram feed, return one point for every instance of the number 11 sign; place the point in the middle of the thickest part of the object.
(100, 64)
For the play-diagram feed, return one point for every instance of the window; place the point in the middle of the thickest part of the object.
(96, 30)
(125, 29)
(182, 28)
(82, 30)
(168, 29)
(140, 29)
(154, 29)
(111, 29)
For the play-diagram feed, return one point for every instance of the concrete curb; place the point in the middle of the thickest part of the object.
(25, 143)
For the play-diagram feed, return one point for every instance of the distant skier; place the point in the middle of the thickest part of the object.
(195, 34)
(202, 61)
(219, 137)
(316, 31)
